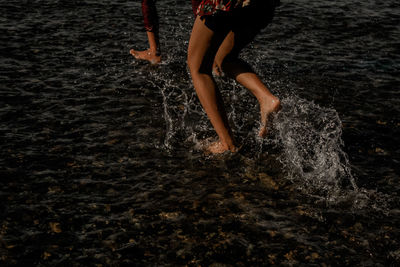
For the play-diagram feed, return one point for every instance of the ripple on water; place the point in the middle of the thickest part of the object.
(97, 159)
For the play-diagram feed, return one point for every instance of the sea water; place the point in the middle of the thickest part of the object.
(101, 159)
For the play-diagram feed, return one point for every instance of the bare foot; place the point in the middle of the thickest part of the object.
(218, 148)
(148, 55)
(267, 108)
(217, 70)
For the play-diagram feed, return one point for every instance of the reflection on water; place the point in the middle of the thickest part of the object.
(99, 162)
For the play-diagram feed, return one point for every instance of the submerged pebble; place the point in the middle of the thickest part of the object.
(98, 159)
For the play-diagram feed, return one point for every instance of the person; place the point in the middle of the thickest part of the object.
(221, 30)
(151, 25)
(150, 18)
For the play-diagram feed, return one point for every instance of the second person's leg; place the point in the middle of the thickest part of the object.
(150, 18)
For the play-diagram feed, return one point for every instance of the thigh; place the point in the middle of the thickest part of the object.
(233, 44)
(203, 46)
(248, 22)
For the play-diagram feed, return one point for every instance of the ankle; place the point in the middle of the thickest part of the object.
(270, 100)
(275, 101)
(154, 52)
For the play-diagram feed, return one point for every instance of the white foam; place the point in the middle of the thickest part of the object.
(312, 148)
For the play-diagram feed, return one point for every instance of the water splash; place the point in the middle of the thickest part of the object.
(310, 139)
(182, 113)
(309, 136)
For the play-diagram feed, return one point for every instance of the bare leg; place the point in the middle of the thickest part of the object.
(152, 54)
(269, 103)
(227, 60)
(151, 24)
(203, 45)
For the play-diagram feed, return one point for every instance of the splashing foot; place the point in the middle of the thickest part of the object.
(151, 56)
(267, 108)
(217, 70)
(218, 148)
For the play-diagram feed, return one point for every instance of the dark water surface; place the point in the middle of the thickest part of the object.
(100, 163)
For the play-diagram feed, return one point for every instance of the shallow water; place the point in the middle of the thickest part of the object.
(99, 155)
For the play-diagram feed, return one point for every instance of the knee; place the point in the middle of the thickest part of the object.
(190, 63)
(196, 67)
